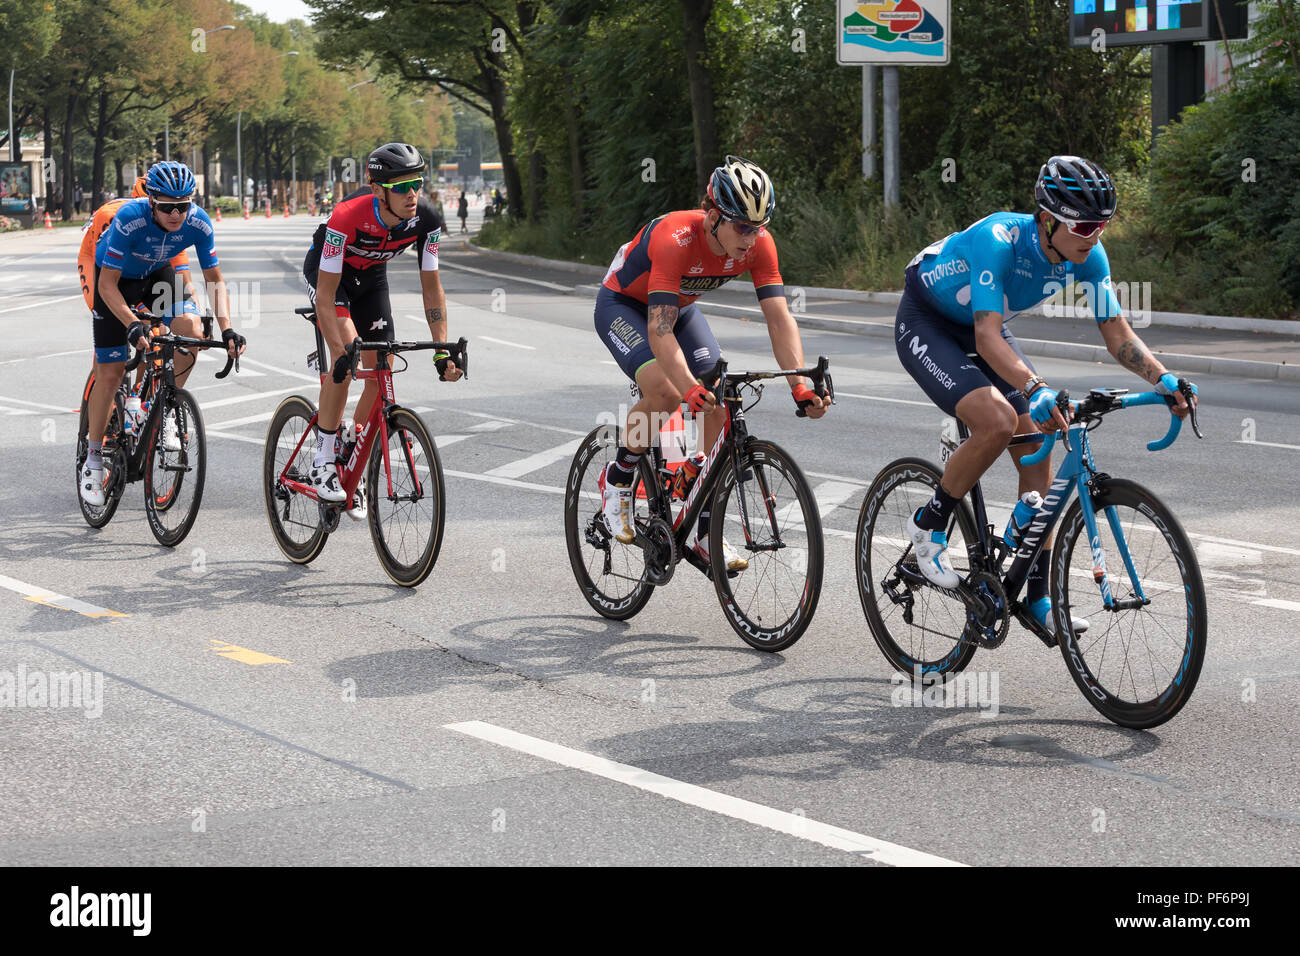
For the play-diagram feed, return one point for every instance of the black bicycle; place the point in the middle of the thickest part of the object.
(745, 481)
(1123, 563)
(167, 449)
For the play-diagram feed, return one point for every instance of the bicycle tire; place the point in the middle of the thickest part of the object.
(98, 516)
(164, 487)
(743, 595)
(880, 540)
(580, 509)
(301, 512)
(404, 425)
(1086, 656)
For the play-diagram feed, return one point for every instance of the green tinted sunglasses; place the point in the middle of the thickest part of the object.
(405, 186)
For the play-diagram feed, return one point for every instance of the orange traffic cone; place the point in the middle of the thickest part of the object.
(48, 224)
(245, 213)
(286, 212)
(218, 214)
(268, 210)
(672, 440)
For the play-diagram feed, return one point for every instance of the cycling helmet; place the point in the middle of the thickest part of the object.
(138, 189)
(171, 179)
(394, 161)
(742, 191)
(1073, 188)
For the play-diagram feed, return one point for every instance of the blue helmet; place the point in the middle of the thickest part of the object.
(171, 179)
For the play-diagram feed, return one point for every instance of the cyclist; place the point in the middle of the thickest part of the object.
(132, 261)
(347, 280)
(646, 316)
(952, 338)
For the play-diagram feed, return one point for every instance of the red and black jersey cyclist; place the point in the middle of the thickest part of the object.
(347, 277)
(646, 316)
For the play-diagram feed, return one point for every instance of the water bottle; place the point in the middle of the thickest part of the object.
(134, 414)
(1026, 511)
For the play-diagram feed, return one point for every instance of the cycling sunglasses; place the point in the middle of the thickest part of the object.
(405, 186)
(1084, 230)
(172, 206)
(743, 228)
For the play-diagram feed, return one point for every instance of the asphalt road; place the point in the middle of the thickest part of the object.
(256, 712)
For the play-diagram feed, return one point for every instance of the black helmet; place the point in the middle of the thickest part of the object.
(394, 161)
(1075, 189)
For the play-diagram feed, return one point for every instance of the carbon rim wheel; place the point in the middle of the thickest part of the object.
(295, 518)
(98, 516)
(173, 480)
(620, 590)
(771, 603)
(1136, 666)
(931, 643)
(406, 522)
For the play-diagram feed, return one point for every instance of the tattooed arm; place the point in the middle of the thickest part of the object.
(435, 304)
(660, 320)
(1129, 350)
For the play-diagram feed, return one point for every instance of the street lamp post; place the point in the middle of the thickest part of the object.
(206, 190)
(293, 156)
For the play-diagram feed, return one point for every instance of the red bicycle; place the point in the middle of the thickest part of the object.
(402, 471)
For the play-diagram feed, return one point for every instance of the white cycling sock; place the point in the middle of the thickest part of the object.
(324, 448)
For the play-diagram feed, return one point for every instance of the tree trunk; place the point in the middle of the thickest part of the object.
(69, 172)
(101, 137)
(207, 179)
(493, 73)
(536, 183)
(696, 19)
(47, 161)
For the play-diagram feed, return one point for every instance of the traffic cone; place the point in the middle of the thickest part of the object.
(268, 210)
(245, 214)
(48, 224)
(286, 212)
(218, 214)
(672, 441)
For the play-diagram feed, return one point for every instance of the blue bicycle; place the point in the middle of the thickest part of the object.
(1122, 562)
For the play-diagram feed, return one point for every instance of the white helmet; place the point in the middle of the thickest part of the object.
(742, 191)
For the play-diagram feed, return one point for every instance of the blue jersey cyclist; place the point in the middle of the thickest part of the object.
(132, 264)
(951, 336)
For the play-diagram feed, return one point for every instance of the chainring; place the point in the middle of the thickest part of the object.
(988, 613)
(660, 552)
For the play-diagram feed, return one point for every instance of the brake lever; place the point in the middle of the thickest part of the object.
(1063, 404)
(1185, 387)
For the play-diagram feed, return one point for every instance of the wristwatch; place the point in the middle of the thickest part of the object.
(1032, 385)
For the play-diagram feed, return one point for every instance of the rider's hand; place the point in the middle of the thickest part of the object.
(1171, 385)
(807, 400)
(342, 366)
(447, 370)
(137, 334)
(700, 400)
(1043, 410)
(235, 343)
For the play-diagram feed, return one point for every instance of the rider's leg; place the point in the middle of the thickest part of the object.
(190, 326)
(108, 376)
(1034, 478)
(991, 421)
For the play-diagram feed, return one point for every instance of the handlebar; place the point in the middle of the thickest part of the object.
(1100, 403)
(823, 386)
(458, 351)
(171, 338)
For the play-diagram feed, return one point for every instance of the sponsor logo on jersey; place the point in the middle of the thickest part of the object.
(333, 244)
(684, 236)
(696, 269)
(943, 270)
(431, 243)
(127, 228)
(703, 284)
(374, 255)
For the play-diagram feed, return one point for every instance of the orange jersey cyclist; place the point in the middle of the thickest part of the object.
(647, 318)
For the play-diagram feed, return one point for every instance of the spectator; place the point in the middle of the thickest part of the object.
(462, 210)
(77, 197)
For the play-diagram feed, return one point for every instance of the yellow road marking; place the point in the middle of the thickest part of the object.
(243, 654)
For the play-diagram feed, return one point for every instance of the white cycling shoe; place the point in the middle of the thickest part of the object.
(92, 486)
(325, 479)
(171, 436)
(358, 510)
(1041, 610)
(729, 554)
(931, 549)
(616, 506)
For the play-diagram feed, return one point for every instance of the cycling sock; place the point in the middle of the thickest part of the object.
(95, 456)
(1037, 580)
(624, 466)
(324, 448)
(934, 516)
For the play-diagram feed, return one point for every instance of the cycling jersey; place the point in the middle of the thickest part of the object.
(91, 235)
(135, 244)
(669, 263)
(355, 236)
(998, 265)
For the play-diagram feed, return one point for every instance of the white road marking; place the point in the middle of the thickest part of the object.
(513, 345)
(1277, 603)
(255, 396)
(33, 305)
(14, 277)
(41, 596)
(314, 379)
(497, 275)
(88, 352)
(791, 824)
(489, 426)
(881, 398)
(1270, 444)
(208, 358)
(213, 433)
(442, 441)
(246, 420)
(534, 462)
(41, 405)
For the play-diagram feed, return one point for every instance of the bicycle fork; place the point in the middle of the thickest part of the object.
(1100, 575)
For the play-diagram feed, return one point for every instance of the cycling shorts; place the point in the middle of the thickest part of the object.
(941, 356)
(361, 297)
(156, 292)
(621, 325)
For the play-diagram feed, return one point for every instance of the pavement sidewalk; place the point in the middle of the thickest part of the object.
(1239, 352)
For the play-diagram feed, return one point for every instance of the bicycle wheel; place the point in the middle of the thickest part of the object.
(610, 574)
(295, 518)
(173, 480)
(406, 519)
(1137, 665)
(772, 602)
(114, 464)
(919, 629)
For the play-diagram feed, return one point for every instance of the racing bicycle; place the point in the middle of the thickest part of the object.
(1122, 562)
(393, 450)
(749, 482)
(173, 478)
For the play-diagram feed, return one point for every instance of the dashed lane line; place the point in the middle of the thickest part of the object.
(39, 595)
(513, 345)
(791, 824)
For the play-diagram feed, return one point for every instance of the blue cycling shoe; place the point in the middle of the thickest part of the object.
(1041, 610)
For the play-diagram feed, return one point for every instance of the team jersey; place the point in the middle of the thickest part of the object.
(136, 245)
(669, 263)
(356, 237)
(90, 236)
(998, 265)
